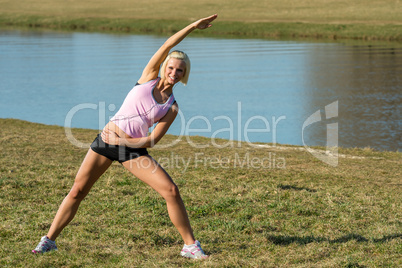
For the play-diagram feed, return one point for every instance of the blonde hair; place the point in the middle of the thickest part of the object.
(180, 55)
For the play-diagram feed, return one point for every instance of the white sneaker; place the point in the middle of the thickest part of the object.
(193, 251)
(45, 245)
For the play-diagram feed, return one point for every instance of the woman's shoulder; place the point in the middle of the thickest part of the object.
(146, 80)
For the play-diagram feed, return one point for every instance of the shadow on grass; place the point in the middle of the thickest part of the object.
(286, 240)
(291, 187)
(387, 238)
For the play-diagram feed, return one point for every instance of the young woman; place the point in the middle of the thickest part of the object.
(125, 139)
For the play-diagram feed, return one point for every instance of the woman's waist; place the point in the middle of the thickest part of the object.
(115, 128)
(128, 129)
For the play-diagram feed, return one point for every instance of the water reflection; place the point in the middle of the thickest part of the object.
(365, 80)
(271, 87)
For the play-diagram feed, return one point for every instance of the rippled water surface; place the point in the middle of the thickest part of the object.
(286, 92)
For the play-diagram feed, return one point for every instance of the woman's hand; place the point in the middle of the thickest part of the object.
(205, 22)
(110, 137)
(151, 70)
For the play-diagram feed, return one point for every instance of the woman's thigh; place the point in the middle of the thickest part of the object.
(92, 167)
(149, 171)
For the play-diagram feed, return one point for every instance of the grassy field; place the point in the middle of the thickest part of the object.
(290, 211)
(330, 19)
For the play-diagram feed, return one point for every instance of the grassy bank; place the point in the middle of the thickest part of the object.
(291, 210)
(326, 19)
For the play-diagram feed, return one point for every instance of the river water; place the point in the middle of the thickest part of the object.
(282, 92)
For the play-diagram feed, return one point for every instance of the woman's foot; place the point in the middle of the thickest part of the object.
(193, 251)
(45, 245)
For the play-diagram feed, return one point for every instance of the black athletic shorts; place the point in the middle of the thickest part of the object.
(116, 152)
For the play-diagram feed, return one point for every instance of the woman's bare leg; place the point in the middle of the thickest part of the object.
(149, 171)
(93, 166)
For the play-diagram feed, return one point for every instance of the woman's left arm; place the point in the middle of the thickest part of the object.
(151, 70)
(111, 137)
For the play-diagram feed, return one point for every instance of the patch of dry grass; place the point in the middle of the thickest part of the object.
(295, 212)
(312, 11)
(308, 18)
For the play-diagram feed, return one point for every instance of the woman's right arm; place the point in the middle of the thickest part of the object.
(109, 136)
(151, 71)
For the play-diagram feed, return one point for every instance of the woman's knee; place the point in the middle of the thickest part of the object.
(77, 192)
(171, 192)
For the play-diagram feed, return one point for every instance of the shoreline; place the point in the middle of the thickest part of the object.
(343, 152)
(391, 33)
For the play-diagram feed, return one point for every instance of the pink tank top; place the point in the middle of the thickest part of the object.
(140, 110)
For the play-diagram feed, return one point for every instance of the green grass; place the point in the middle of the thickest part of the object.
(298, 212)
(323, 19)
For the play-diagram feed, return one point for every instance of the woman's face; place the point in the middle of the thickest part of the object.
(175, 70)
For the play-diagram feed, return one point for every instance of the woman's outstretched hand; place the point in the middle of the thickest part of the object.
(205, 22)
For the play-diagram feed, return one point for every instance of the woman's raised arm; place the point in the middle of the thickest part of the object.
(151, 71)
